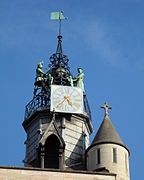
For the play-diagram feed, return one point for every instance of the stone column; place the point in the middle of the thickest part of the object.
(42, 155)
(61, 161)
(63, 122)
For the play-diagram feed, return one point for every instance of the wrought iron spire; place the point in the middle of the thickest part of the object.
(59, 68)
(59, 50)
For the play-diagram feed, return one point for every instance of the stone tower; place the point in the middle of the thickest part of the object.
(58, 118)
(107, 151)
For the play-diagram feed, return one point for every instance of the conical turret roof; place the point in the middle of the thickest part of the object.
(107, 133)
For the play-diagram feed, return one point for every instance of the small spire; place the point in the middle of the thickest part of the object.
(58, 16)
(106, 132)
(59, 50)
(106, 107)
(59, 68)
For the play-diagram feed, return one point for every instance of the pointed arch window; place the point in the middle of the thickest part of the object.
(52, 150)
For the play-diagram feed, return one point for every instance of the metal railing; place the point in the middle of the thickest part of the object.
(42, 101)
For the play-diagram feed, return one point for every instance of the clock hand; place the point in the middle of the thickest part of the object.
(61, 102)
(68, 100)
(70, 103)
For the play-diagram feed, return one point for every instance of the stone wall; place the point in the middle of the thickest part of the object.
(32, 140)
(15, 173)
(76, 137)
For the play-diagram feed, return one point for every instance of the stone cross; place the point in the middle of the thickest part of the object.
(106, 107)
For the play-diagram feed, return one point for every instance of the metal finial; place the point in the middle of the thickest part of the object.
(59, 51)
(106, 107)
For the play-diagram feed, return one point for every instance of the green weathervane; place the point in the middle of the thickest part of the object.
(58, 16)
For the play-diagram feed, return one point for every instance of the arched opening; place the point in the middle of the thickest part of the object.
(52, 146)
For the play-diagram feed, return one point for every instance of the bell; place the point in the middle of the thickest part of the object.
(61, 72)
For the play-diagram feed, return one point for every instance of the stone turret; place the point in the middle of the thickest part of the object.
(107, 151)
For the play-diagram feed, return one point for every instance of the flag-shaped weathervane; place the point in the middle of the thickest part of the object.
(58, 16)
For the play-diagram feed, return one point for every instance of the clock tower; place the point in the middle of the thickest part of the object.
(57, 120)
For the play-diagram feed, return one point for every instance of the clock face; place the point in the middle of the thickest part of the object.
(66, 99)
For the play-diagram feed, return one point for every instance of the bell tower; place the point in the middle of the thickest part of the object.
(57, 120)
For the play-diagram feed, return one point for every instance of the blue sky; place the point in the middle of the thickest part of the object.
(103, 37)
